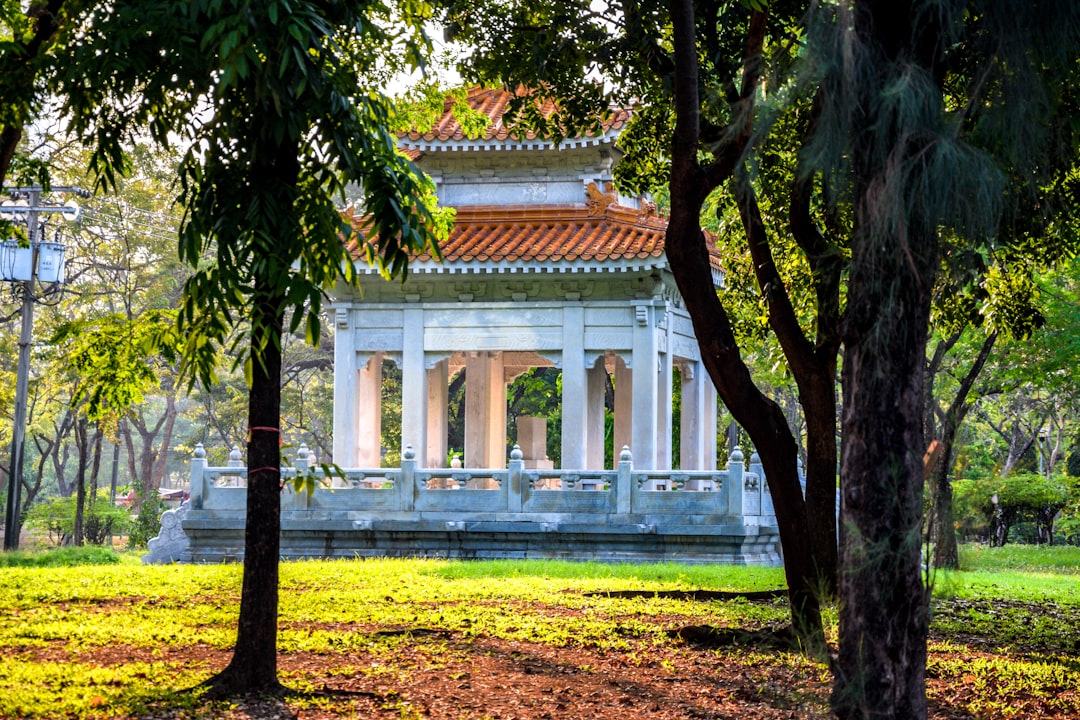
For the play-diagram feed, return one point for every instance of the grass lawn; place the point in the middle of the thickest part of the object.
(441, 639)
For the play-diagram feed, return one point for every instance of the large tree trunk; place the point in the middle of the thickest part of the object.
(253, 667)
(880, 671)
(685, 246)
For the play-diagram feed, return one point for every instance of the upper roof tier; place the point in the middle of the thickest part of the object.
(597, 236)
(447, 133)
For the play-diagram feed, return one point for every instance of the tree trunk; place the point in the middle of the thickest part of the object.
(253, 667)
(880, 671)
(943, 527)
(813, 365)
(78, 536)
(685, 246)
(161, 458)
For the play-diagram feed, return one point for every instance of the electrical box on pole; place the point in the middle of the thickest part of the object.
(16, 263)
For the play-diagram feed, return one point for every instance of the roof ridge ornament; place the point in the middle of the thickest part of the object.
(597, 200)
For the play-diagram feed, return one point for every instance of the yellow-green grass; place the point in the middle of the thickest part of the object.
(334, 608)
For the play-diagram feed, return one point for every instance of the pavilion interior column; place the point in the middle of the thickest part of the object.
(646, 386)
(574, 390)
(369, 412)
(485, 410)
(596, 380)
(414, 390)
(664, 403)
(438, 384)
(624, 406)
(345, 392)
(709, 422)
(692, 428)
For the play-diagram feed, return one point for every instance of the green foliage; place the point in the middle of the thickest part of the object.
(60, 557)
(56, 517)
(297, 82)
(147, 522)
(1005, 501)
(111, 357)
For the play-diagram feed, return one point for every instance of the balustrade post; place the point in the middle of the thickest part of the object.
(301, 498)
(516, 491)
(197, 490)
(763, 485)
(623, 482)
(733, 483)
(405, 485)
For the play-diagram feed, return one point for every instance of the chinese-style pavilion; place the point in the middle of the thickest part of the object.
(546, 266)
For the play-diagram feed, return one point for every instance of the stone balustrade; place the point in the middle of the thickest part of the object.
(619, 514)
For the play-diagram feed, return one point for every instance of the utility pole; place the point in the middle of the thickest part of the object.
(12, 524)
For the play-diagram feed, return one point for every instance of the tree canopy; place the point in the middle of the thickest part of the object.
(279, 108)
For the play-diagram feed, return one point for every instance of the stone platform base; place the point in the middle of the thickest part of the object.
(214, 540)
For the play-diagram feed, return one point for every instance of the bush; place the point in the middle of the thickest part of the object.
(55, 517)
(1026, 503)
(147, 523)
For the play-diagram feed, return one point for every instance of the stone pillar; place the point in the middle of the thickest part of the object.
(485, 411)
(692, 418)
(438, 386)
(369, 412)
(596, 381)
(646, 386)
(574, 390)
(345, 377)
(624, 404)
(532, 442)
(709, 419)
(414, 378)
(664, 381)
(496, 444)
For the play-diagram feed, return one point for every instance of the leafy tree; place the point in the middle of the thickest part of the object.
(29, 38)
(553, 47)
(274, 102)
(910, 118)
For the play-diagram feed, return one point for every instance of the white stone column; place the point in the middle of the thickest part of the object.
(485, 410)
(596, 381)
(438, 386)
(477, 375)
(496, 442)
(345, 377)
(664, 404)
(369, 412)
(624, 406)
(574, 390)
(414, 391)
(709, 420)
(646, 386)
(692, 417)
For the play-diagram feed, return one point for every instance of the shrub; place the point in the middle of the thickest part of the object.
(55, 516)
(147, 523)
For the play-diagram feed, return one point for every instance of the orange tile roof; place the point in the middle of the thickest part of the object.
(594, 233)
(495, 103)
